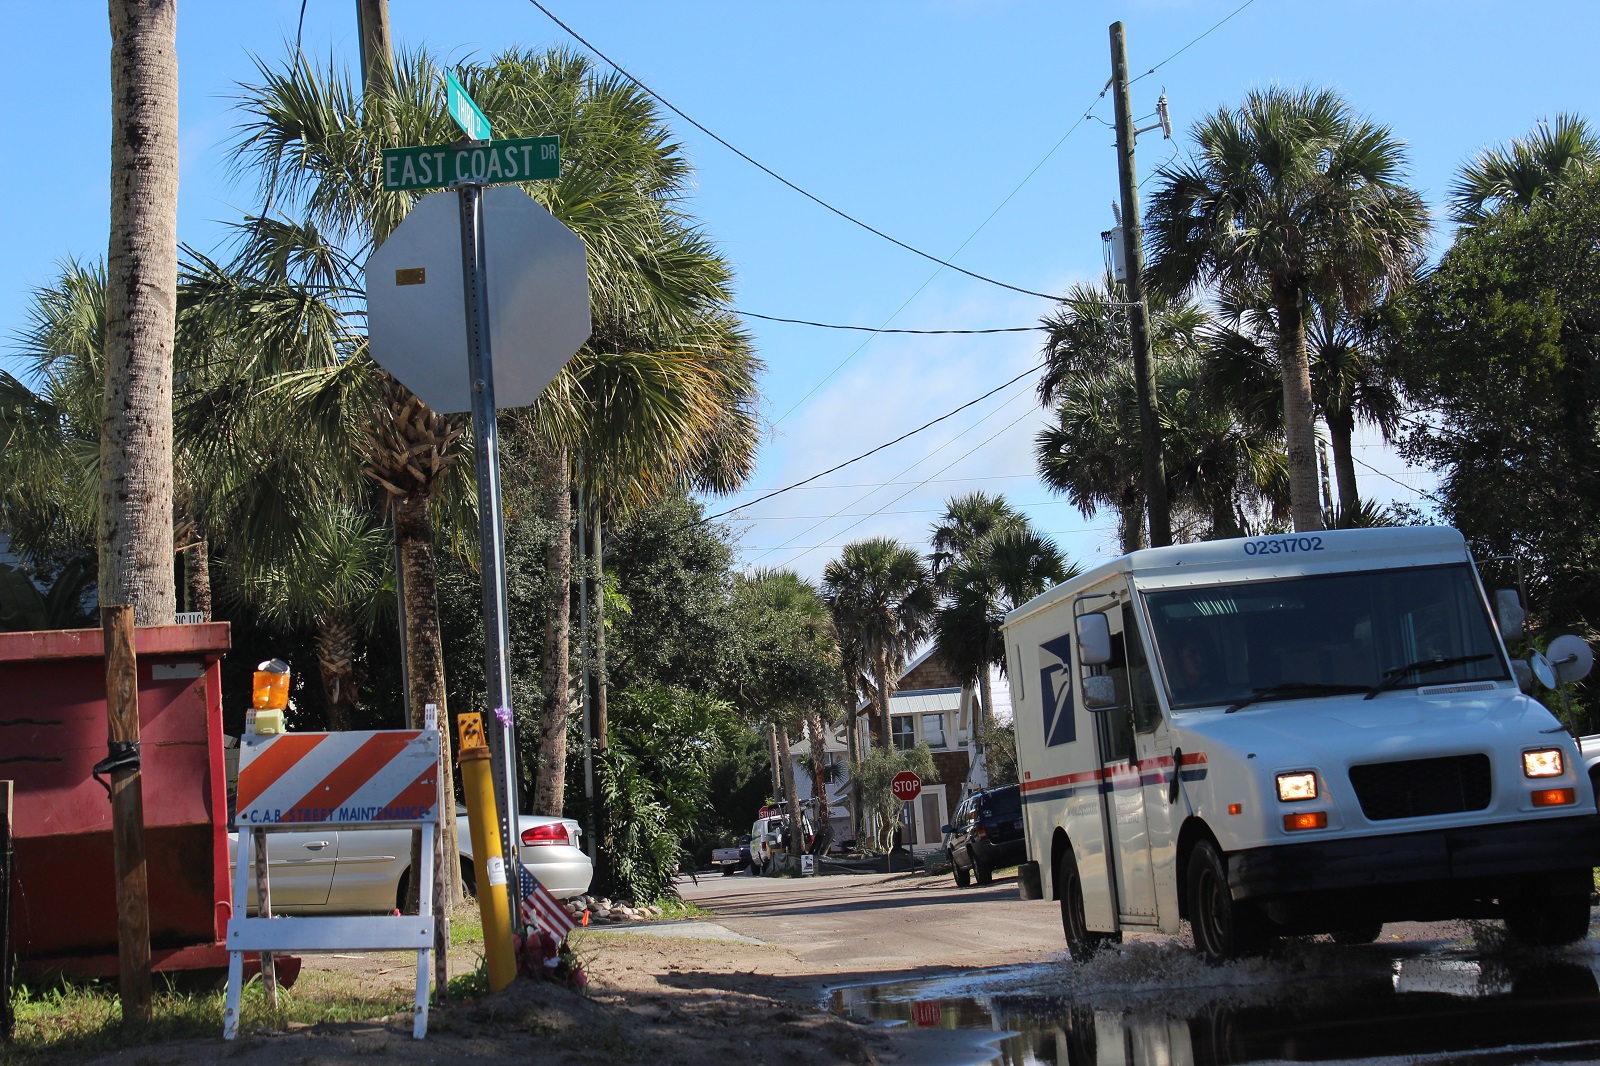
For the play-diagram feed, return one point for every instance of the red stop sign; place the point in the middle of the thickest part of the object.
(906, 786)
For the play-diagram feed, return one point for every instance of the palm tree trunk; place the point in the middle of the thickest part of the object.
(1299, 413)
(336, 650)
(1130, 521)
(197, 577)
(1341, 431)
(853, 746)
(135, 528)
(413, 534)
(550, 782)
(797, 840)
(601, 723)
(881, 669)
(822, 819)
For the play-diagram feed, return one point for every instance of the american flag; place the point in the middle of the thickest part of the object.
(540, 908)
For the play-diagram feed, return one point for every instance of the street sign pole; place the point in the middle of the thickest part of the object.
(491, 528)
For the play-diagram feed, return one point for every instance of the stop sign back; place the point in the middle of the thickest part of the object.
(906, 786)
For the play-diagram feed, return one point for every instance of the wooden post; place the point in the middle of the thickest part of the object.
(8, 1020)
(269, 975)
(127, 814)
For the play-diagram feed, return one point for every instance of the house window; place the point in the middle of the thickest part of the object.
(905, 736)
(933, 730)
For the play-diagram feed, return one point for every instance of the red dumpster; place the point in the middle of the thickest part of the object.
(52, 732)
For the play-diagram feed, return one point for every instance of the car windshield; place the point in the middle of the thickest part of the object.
(1323, 634)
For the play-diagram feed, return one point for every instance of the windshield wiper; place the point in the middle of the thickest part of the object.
(1292, 689)
(1391, 678)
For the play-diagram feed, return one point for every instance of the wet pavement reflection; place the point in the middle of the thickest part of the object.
(1156, 1005)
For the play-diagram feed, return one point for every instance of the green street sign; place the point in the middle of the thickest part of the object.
(464, 109)
(438, 166)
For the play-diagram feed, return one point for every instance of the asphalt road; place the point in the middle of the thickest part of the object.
(884, 923)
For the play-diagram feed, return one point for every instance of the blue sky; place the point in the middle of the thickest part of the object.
(944, 123)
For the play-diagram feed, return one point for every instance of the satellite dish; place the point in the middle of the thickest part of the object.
(1571, 656)
(1542, 669)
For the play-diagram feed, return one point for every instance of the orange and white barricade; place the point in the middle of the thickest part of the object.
(352, 780)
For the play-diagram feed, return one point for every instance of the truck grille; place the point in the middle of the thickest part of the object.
(1417, 788)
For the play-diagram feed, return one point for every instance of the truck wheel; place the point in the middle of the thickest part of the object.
(1548, 920)
(963, 876)
(1222, 928)
(1081, 942)
(984, 872)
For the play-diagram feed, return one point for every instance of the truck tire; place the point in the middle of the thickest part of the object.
(982, 870)
(1223, 929)
(963, 877)
(1081, 942)
(1548, 920)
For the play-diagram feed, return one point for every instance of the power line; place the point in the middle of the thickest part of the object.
(874, 451)
(1030, 410)
(1214, 27)
(1397, 481)
(864, 497)
(912, 510)
(886, 484)
(779, 177)
(880, 329)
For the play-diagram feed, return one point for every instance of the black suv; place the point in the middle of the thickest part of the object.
(985, 834)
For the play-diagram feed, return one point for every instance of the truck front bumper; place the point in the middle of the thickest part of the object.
(1479, 860)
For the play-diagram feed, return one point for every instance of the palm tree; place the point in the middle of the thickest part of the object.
(1086, 351)
(335, 576)
(657, 289)
(1220, 468)
(995, 573)
(1093, 453)
(969, 523)
(968, 520)
(1293, 194)
(882, 599)
(1528, 169)
(135, 529)
(1350, 381)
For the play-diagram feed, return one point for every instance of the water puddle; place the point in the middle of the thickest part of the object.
(1157, 1005)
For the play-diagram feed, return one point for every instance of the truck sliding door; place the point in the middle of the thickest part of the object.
(1125, 732)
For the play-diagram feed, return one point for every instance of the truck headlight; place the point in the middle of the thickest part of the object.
(1297, 785)
(1545, 762)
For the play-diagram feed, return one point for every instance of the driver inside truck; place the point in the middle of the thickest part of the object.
(1196, 673)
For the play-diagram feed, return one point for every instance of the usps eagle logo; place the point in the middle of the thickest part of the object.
(1055, 691)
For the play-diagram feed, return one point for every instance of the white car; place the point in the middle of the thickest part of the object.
(355, 871)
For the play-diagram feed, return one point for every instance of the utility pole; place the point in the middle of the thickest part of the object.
(1155, 475)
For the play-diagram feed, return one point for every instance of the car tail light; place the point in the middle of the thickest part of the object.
(552, 833)
(980, 831)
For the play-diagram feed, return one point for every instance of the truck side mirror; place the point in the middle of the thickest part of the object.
(1510, 614)
(1571, 657)
(1100, 692)
(1094, 640)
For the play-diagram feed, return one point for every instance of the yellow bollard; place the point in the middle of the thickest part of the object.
(488, 862)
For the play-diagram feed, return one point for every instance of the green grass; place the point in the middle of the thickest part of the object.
(70, 1019)
(682, 908)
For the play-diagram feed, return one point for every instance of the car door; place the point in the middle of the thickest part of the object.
(299, 865)
(367, 874)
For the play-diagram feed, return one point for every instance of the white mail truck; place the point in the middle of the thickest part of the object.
(1302, 733)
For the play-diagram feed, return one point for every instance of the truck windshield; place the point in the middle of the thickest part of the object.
(1330, 633)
